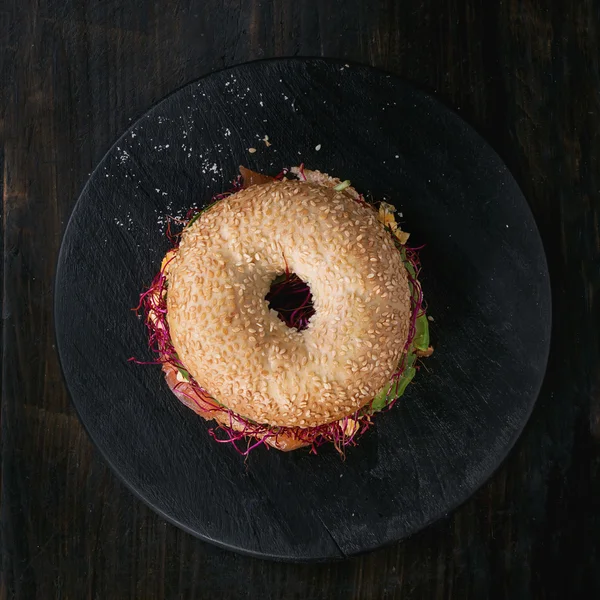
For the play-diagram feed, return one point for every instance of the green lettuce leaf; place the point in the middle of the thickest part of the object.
(421, 339)
(394, 389)
(184, 373)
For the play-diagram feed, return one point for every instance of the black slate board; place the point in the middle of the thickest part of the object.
(485, 280)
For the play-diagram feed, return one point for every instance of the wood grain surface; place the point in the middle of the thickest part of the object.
(74, 74)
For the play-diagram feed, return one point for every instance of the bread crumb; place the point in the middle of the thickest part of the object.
(252, 150)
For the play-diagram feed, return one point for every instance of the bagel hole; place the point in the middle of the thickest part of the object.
(290, 297)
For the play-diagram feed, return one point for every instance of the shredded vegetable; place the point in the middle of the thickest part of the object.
(342, 186)
(291, 298)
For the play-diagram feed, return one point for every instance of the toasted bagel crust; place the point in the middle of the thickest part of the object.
(202, 405)
(238, 349)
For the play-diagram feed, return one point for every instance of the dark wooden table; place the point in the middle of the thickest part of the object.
(74, 73)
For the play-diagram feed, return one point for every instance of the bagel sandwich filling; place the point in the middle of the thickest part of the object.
(288, 311)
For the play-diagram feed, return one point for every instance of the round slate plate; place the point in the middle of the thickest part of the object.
(484, 277)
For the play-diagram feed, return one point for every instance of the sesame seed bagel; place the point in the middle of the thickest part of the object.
(238, 349)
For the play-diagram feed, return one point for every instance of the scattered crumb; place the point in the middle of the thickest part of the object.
(252, 150)
(318, 147)
(266, 141)
(430, 318)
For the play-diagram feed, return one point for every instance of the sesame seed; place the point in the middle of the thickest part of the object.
(249, 234)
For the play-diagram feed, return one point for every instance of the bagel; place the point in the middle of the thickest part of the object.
(237, 360)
